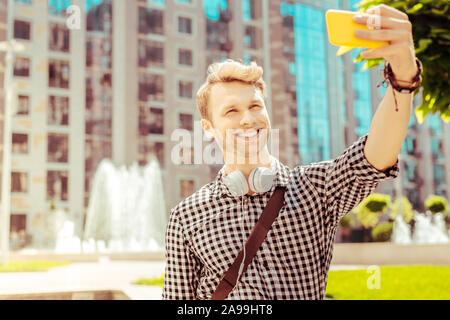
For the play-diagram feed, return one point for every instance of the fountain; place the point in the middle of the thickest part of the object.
(126, 212)
(428, 229)
(401, 233)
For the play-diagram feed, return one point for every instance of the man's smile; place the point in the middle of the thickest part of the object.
(247, 135)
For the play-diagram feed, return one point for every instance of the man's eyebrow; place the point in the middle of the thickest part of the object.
(232, 105)
(227, 106)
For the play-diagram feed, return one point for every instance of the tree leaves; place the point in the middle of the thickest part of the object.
(431, 32)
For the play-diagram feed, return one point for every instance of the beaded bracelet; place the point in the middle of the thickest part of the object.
(389, 76)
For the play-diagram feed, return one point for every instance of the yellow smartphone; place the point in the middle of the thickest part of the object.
(341, 27)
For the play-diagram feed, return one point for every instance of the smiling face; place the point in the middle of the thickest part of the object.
(238, 119)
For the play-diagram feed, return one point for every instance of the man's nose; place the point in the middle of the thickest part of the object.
(248, 119)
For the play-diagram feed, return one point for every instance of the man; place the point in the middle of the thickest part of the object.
(207, 230)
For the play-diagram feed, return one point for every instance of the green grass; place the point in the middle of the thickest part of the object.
(158, 281)
(417, 282)
(28, 266)
(396, 283)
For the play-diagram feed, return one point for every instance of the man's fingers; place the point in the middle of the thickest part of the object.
(385, 51)
(386, 11)
(383, 35)
(380, 22)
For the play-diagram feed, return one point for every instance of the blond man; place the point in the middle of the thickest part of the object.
(207, 230)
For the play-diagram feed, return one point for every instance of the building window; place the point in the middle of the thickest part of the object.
(148, 150)
(18, 237)
(22, 30)
(58, 7)
(58, 74)
(438, 174)
(20, 143)
(58, 147)
(22, 67)
(57, 185)
(184, 25)
(186, 121)
(99, 15)
(185, 57)
(437, 150)
(414, 198)
(58, 113)
(185, 89)
(151, 53)
(26, 2)
(151, 87)
(18, 223)
(19, 182)
(250, 11)
(409, 145)
(59, 38)
(251, 37)
(150, 21)
(151, 120)
(187, 187)
(410, 171)
(23, 105)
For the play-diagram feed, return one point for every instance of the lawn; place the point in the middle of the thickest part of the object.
(415, 282)
(396, 283)
(158, 281)
(25, 266)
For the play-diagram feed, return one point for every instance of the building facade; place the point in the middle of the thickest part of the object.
(118, 86)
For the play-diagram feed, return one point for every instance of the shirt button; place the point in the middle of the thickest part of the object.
(265, 265)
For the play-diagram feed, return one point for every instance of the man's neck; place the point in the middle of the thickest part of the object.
(264, 160)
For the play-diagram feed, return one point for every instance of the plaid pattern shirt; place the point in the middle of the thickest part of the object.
(204, 234)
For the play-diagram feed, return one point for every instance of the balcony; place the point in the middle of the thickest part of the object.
(226, 16)
(226, 45)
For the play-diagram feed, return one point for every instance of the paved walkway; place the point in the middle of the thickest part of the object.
(88, 276)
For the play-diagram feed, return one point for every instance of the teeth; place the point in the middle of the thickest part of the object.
(248, 134)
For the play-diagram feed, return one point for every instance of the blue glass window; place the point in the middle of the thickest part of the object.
(23, 1)
(57, 7)
(212, 8)
(311, 72)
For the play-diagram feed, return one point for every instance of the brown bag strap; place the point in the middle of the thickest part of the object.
(257, 236)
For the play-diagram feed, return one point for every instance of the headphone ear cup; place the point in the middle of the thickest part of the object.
(236, 183)
(261, 179)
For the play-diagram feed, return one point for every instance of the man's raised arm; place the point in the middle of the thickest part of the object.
(388, 127)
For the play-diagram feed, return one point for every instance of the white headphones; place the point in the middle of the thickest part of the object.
(260, 180)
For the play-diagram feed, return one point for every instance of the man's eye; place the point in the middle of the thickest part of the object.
(232, 110)
(256, 106)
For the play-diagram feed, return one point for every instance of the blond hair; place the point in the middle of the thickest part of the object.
(228, 71)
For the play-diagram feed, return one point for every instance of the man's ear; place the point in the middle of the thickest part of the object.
(207, 128)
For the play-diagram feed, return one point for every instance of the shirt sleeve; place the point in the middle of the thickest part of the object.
(345, 181)
(182, 268)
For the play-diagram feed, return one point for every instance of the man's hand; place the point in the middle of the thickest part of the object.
(392, 25)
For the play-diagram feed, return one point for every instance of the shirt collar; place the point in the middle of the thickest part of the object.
(281, 179)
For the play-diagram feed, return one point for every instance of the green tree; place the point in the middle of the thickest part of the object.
(370, 208)
(382, 232)
(403, 206)
(347, 221)
(436, 204)
(431, 32)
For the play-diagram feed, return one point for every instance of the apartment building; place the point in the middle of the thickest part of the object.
(323, 102)
(120, 85)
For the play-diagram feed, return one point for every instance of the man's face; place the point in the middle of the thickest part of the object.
(239, 119)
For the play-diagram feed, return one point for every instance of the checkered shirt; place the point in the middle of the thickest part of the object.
(204, 234)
